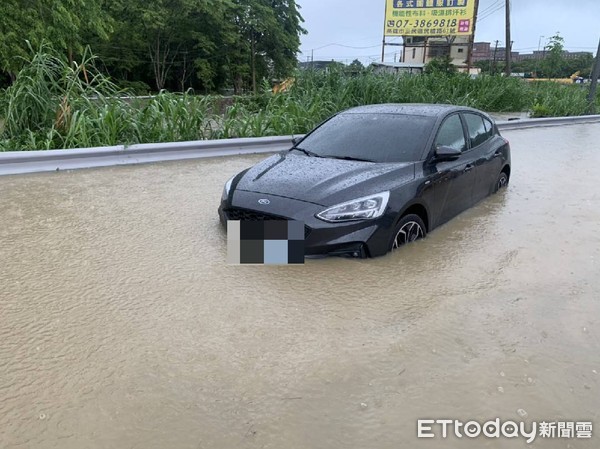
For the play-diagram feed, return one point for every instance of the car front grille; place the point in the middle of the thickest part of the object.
(249, 215)
(236, 213)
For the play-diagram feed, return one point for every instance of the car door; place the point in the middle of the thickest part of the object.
(480, 153)
(451, 181)
(494, 158)
(486, 148)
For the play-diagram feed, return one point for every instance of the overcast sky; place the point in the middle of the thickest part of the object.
(359, 24)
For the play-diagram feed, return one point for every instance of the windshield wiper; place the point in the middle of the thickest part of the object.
(308, 153)
(349, 158)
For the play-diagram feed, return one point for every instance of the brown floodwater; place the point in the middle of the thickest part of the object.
(121, 326)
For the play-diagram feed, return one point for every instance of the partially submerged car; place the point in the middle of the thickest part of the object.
(373, 178)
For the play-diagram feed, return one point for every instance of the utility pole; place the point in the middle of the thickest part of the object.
(472, 39)
(508, 41)
(495, 51)
(384, 28)
(537, 57)
(594, 83)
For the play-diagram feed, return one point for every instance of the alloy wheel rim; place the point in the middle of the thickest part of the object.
(502, 182)
(409, 232)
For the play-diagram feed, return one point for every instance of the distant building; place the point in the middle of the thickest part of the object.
(541, 54)
(501, 54)
(537, 54)
(577, 54)
(485, 51)
(421, 49)
(398, 67)
(481, 51)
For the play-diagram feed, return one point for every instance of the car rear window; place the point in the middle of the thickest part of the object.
(371, 136)
(489, 127)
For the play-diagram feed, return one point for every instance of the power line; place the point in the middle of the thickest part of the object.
(485, 10)
(345, 46)
(491, 13)
(329, 57)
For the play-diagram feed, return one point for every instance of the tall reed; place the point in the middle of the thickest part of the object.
(56, 105)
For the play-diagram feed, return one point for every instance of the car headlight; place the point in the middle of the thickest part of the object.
(227, 188)
(364, 208)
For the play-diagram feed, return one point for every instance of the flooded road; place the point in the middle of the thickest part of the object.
(121, 326)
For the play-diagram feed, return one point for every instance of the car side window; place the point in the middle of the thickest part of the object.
(451, 134)
(477, 130)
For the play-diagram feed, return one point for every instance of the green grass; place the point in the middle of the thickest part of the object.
(54, 105)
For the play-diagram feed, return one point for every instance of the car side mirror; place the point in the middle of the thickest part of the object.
(445, 153)
(296, 141)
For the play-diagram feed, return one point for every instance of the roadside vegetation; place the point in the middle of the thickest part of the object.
(53, 104)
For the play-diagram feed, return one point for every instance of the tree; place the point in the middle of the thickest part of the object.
(441, 64)
(355, 67)
(156, 32)
(124, 54)
(213, 35)
(164, 23)
(527, 66)
(554, 63)
(582, 64)
(174, 44)
(170, 44)
(485, 66)
(267, 42)
(63, 23)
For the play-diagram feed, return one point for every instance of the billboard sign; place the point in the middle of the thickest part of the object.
(429, 17)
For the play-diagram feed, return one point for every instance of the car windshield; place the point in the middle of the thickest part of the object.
(371, 137)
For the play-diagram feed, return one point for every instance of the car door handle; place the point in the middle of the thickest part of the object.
(498, 153)
(469, 167)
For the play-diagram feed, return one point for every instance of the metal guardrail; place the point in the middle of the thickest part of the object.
(548, 121)
(16, 162)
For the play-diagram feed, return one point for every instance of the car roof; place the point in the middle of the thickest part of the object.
(430, 110)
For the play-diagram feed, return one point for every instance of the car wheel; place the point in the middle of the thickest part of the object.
(502, 182)
(409, 228)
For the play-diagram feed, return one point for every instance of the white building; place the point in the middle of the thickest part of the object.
(398, 67)
(422, 49)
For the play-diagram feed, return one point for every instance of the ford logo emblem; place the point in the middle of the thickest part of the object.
(264, 201)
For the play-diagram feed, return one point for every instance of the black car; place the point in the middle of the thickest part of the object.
(373, 178)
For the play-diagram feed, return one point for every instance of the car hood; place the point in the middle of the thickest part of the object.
(322, 181)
